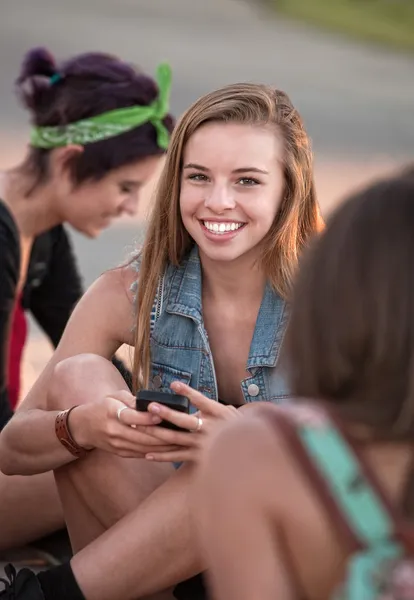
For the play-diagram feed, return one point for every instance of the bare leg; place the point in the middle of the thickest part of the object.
(95, 496)
(102, 488)
(29, 509)
(150, 549)
(102, 485)
(105, 487)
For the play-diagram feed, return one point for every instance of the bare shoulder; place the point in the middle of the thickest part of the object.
(118, 281)
(248, 452)
(109, 301)
(259, 427)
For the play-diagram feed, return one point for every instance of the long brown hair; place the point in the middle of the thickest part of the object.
(350, 340)
(167, 241)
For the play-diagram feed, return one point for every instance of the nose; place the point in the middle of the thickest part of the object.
(219, 199)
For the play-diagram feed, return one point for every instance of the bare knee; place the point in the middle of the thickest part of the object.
(74, 379)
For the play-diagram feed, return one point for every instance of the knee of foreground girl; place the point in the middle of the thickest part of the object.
(73, 378)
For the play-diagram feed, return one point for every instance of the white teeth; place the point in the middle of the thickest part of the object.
(221, 228)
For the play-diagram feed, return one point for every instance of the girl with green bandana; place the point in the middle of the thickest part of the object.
(100, 128)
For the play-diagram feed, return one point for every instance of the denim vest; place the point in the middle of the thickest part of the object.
(180, 350)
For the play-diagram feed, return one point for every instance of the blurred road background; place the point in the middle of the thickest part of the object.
(357, 100)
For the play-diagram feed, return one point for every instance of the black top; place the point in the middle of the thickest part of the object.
(53, 287)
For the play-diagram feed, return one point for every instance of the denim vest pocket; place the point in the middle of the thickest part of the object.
(162, 377)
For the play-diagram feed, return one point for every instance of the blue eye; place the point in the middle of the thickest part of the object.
(197, 177)
(248, 182)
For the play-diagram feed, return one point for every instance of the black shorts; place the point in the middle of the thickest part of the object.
(6, 412)
(191, 589)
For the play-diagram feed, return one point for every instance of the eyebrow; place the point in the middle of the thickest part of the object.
(240, 170)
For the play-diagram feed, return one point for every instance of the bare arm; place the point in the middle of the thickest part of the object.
(238, 516)
(101, 322)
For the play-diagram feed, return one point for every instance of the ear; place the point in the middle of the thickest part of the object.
(61, 158)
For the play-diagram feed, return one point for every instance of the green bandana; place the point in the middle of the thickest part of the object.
(111, 123)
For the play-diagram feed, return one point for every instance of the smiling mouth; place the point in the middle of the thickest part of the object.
(222, 228)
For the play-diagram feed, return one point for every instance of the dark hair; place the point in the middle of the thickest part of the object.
(408, 171)
(350, 340)
(85, 86)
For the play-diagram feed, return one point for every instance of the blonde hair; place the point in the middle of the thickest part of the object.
(167, 241)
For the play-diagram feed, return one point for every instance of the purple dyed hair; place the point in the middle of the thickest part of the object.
(89, 84)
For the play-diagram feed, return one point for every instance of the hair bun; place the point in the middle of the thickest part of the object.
(38, 61)
(33, 83)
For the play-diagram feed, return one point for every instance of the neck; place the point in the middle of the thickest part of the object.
(241, 280)
(32, 214)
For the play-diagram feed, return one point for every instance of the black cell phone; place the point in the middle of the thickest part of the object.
(173, 401)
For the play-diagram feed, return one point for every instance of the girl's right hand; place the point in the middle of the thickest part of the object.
(114, 425)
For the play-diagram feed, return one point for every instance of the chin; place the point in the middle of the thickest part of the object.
(94, 233)
(223, 255)
(231, 253)
(90, 233)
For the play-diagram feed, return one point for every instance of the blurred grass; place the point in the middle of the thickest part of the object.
(389, 22)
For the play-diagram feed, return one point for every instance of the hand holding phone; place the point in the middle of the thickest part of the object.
(173, 401)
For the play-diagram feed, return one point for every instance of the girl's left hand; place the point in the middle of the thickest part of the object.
(200, 425)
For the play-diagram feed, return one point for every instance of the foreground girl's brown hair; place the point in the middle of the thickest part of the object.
(167, 240)
(351, 336)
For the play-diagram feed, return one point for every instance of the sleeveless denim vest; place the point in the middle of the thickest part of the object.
(180, 348)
